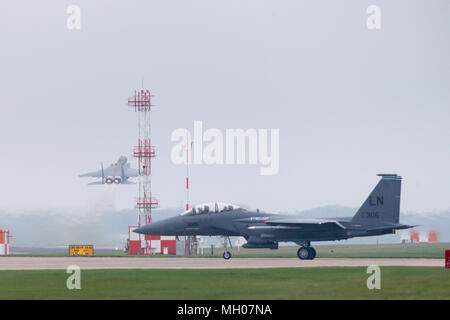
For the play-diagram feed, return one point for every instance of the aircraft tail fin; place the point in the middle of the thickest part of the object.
(383, 203)
(122, 173)
(103, 174)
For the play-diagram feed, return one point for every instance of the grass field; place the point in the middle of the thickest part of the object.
(408, 250)
(297, 283)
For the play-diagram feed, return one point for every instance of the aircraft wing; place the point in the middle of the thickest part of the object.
(95, 183)
(130, 172)
(109, 171)
(302, 224)
(128, 182)
(94, 174)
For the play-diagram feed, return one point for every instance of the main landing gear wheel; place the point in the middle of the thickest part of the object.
(306, 253)
(313, 253)
(227, 255)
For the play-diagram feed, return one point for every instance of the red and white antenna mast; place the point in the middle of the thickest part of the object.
(144, 152)
(188, 145)
(191, 242)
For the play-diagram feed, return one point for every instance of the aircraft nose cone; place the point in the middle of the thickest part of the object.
(139, 230)
(155, 228)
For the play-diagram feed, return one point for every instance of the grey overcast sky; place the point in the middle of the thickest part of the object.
(349, 102)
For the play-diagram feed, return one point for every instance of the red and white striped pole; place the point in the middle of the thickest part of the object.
(187, 172)
(186, 239)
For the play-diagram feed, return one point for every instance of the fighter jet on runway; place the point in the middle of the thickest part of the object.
(116, 173)
(378, 215)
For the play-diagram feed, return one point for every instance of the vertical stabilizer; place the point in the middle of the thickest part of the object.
(383, 204)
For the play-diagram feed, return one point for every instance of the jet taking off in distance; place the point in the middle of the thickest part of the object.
(116, 173)
(378, 215)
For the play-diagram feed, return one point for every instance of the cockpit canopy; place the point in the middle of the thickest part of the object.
(211, 207)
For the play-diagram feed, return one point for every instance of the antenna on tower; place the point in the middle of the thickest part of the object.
(188, 145)
(191, 242)
(144, 152)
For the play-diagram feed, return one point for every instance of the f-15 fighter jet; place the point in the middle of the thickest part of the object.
(378, 215)
(116, 173)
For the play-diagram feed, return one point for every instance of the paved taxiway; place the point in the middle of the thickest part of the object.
(41, 263)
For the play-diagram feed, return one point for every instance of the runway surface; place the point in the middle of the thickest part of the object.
(42, 263)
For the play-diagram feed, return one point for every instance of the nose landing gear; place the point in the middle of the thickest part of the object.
(226, 254)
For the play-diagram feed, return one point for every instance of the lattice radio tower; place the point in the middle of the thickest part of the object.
(144, 152)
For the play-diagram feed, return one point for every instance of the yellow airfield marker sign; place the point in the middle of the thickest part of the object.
(81, 250)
